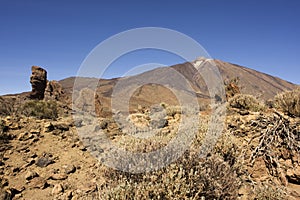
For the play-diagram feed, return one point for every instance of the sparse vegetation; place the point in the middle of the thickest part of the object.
(2, 129)
(188, 178)
(246, 102)
(6, 107)
(232, 87)
(40, 109)
(277, 131)
(288, 102)
(173, 110)
(268, 192)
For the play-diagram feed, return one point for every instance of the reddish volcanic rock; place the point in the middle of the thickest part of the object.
(38, 80)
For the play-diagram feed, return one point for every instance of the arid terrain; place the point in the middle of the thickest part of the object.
(43, 154)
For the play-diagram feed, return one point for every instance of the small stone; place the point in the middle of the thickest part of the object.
(68, 195)
(62, 126)
(58, 176)
(78, 122)
(16, 189)
(69, 169)
(48, 127)
(16, 169)
(89, 187)
(31, 175)
(39, 183)
(57, 189)
(44, 162)
(57, 132)
(25, 136)
(34, 131)
(5, 195)
(244, 112)
(4, 182)
(29, 163)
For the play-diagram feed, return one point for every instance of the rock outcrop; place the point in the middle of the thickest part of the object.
(38, 80)
(53, 90)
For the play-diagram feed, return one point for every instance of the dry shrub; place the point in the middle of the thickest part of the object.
(275, 132)
(40, 109)
(173, 110)
(232, 87)
(288, 102)
(6, 106)
(269, 192)
(246, 102)
(188, 178)
(4, 139)
(1, 126)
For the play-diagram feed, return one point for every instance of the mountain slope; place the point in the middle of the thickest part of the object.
(251, 82)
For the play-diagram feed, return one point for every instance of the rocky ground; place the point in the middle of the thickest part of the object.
(45, 159)
(48, 151)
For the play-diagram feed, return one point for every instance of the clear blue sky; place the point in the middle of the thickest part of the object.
(58, 35)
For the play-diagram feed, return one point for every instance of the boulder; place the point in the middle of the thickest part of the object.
(53, 90)
(38, 80)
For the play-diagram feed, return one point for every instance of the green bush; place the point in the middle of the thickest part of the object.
(245, 102)
(288, 102)
(40, 109)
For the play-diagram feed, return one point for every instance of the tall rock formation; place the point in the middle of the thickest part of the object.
(38, 80)
(53, 90)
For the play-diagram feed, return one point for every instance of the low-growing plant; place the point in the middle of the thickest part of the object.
(269, 192)
(2, 127)
(40, 109)
(188, 178)
(246, 102)
(6, 106)
(288, 102)
(173, 110)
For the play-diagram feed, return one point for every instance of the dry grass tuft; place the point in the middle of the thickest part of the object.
(288, 102)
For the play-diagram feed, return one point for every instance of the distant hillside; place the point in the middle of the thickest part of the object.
(251, 81)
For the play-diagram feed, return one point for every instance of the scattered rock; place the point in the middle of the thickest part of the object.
(34, 131)
(25, 136)
(48, 127)
(244, 112)
(62, 126)
(16, 189)
(4, 182)
(39, 183)
(68, 195)
(259, 170)
(69, 169)
(44, 161)
(5, 195)
(89, 187)
(293, 175)
(78, 122)
(61, 176)
(31, 175)
(57, 189)
(56, 132)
